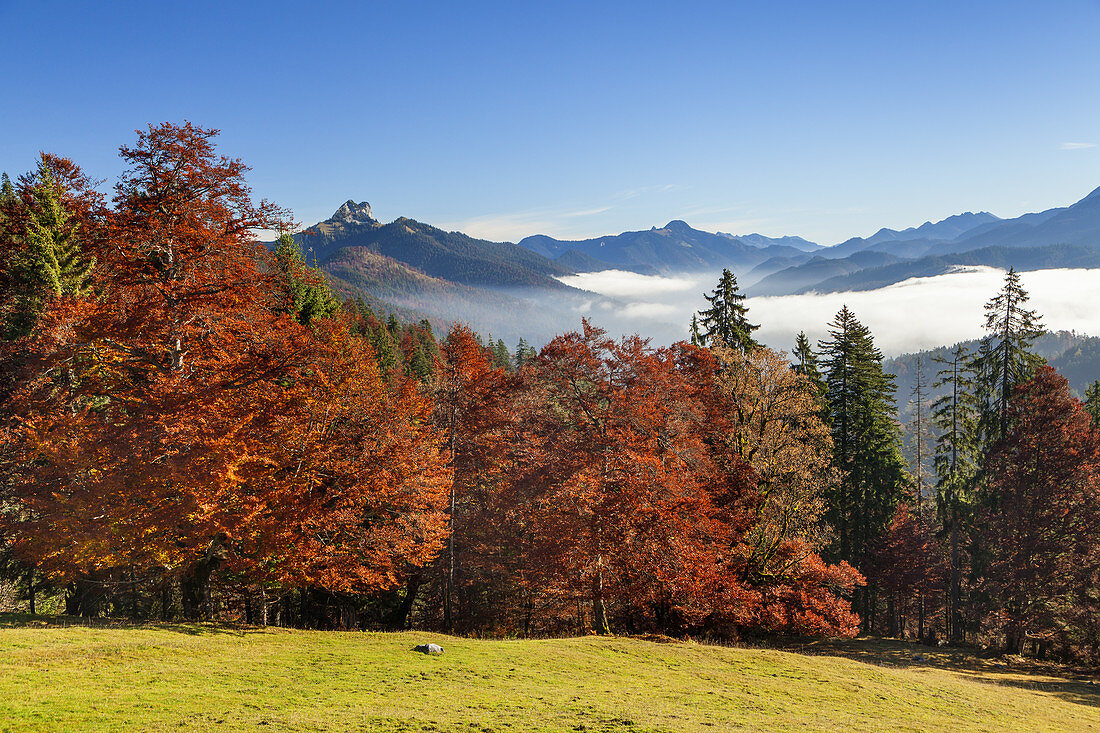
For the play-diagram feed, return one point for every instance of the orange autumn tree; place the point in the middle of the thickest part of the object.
(472, 403)
(614, 484)
(766, 414)
(178, 418)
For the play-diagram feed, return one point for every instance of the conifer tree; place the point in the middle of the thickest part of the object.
(1092, 402)
(308, 292)
(919, 426)
(859, 405)
(955, 416)
(725, 320)
(524, 353)
(696, 337)
(47, 262)
(501, 357)
(1005, 359)
(7, 194)
(806, 363)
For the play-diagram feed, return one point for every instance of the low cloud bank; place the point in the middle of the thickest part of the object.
(910, 315)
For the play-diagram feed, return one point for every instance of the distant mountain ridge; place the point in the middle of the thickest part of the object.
(674, 248)
(1060, 237)
(759, 240)
(417, 270)
(516, 288)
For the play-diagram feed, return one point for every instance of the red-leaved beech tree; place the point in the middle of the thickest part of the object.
(175, 417)
(605, 485)
(618, 481)
(1038, 521)
(906, 566)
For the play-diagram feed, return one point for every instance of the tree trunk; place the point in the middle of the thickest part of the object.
(30, 590)
(399, 619)
(599, 608)
(195, 585)
(956, 589)
(165, 598)
(920, 616)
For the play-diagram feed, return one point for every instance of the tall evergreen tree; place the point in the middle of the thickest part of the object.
(7, 193)
(1092, 402)
(859, 404)
(1005, 359)
(524, 353)
(955, 416)
(806, 363)
(47, 261)
(696, 337)
(918, 424)
(725, 320)
(309, 294)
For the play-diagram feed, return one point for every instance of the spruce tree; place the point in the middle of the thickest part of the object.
(918, 424)
(1004, 359)
(725, 320)
(47, 262)
(805, 362)
(955, 417)
(1092, 402)
(309, 293)
(7, 193)
(696, 337)
(524, 353)
(859, 405)
(500, 355)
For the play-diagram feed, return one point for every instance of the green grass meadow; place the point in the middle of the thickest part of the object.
(58, 677)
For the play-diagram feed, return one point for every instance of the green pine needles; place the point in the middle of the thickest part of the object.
(862, 416)
(725, 321)
(47, 262)
(1005, 358)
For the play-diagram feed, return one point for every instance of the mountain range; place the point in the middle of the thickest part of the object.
(1062, 237)
(514, 289)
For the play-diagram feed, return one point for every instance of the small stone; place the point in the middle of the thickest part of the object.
(429, 649)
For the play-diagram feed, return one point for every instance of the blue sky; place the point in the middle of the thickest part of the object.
(825, 120)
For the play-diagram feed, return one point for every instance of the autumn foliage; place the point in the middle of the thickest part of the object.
(176, 419)
(193, 427)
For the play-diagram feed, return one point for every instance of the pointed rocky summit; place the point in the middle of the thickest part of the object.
(354, 213)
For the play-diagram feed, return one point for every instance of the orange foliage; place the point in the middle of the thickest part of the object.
(179, 415)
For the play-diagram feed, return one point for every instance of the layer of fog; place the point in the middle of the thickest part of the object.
(914, 314)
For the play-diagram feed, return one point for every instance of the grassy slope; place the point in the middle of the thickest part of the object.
(205, 678)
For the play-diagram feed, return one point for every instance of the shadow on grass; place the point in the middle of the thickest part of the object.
(1073, 684)
(30, 621)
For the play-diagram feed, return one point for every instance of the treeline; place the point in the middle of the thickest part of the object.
(195, 427)
(984, 530)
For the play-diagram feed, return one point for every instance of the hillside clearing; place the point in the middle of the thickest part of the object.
(55, 677)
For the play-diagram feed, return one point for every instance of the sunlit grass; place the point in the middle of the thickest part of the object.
(196, 677)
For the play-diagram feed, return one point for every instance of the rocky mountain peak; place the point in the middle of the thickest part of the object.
(354, 213)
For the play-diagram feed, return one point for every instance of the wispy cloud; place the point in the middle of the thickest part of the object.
(585, 212)
(1077, 146)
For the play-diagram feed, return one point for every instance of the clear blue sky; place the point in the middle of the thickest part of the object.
(824, 119)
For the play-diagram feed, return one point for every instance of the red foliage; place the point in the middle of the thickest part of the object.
(179, 419)
(1042, 507)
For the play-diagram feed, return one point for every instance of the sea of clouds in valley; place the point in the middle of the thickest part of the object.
(907, 316)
